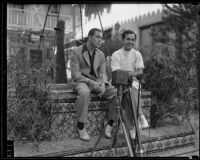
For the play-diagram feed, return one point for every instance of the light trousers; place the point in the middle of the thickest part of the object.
(84, 97)
(128, 107)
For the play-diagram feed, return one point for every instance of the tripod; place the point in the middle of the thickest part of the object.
(120, 119)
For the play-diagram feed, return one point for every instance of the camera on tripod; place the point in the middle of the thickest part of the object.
(121, 77)
(122, 80)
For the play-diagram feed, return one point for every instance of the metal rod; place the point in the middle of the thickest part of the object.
(44, 27)
(81, 20)
(55, 38)
(125, 134)
(136, 113)
(139, 89)
(58, 12)
(98, 140)
(41, 36)
(99, 18)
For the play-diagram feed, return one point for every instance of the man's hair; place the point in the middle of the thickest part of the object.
(92, 31)
(128, 32)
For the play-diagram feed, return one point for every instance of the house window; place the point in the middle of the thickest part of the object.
(54, 8)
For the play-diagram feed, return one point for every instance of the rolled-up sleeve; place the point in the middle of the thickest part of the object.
(115, 62)
(139, 60)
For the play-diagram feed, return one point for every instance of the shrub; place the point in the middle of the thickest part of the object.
(28, 109)
(172, 86)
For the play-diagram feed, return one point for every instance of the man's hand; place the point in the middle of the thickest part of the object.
(103, 89)
(96, 87)
(139, 77)
(132, 76)
(135, 75)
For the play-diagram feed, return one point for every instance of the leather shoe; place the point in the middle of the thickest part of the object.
(143, 121)
(132, 134)
(139, 124)
(83, 135)
(108, 131)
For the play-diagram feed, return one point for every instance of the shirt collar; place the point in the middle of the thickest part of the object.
(86, 49)
(127, 51)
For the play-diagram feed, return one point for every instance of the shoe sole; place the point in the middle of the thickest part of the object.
(84, 139)
(107, 136)
(145, 127)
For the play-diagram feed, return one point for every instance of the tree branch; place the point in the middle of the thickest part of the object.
(171, 9)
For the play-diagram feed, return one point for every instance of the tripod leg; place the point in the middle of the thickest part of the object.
(127, 137)
(135, 115)
(98, 140)
(115, 136)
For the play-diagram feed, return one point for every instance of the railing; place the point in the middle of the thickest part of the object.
(29, 19)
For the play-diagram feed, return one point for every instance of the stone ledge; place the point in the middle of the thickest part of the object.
(64, 93)
(64, 111)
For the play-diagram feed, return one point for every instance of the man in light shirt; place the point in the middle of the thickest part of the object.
(129, 59)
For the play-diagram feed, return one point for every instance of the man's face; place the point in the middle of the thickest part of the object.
(129, 41)
(96, 39)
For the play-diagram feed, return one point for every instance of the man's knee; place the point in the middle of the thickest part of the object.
(134, 89)
(112, 93)
(84, 92)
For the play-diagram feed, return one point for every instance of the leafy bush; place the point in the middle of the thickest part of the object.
(28, 109)
(28, 115)
(172, 85)
(173, 67)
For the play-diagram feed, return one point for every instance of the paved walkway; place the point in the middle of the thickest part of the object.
(180, 152)
(71, 144)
